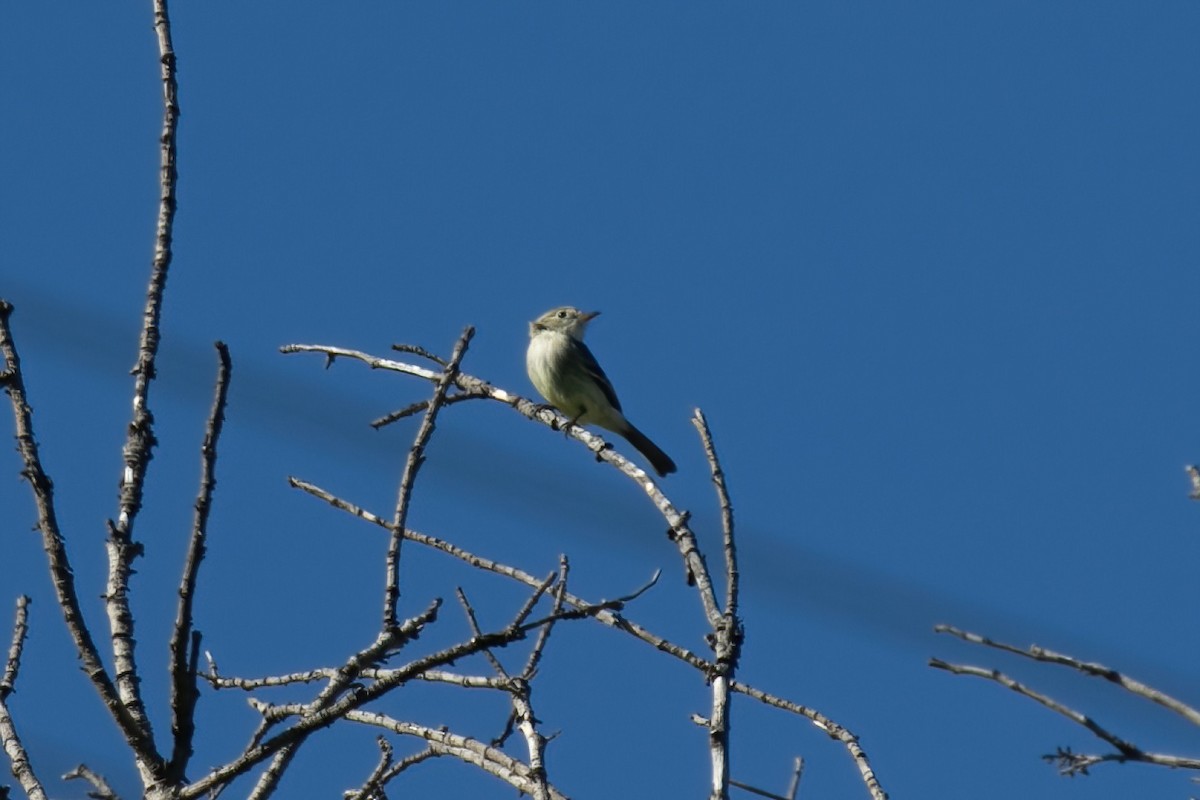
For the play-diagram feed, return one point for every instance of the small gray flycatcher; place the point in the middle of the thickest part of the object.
(565, 372)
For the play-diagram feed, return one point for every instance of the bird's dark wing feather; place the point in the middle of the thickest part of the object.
(593, 367)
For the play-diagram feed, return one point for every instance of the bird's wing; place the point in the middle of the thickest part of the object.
(593, 368)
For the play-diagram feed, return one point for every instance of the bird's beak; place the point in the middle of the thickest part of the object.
(588, 316)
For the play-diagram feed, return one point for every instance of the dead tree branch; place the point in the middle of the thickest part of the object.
(325, 710)
(391, 772)
(122, 548)
(185, 641)
(100, 788)
(726, 633)
(1068, 762)
(416, 456)
(10, 740)
(726, 636)
(464, 748)
(54, 545)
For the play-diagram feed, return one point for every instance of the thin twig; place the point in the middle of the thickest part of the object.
(385, 643)
(797, 772)
(727, 634)
(372, 788)
(12, 664)
(793, 786)
(416, 349)
(1087, 667)
(183, 675)
(1126, 751)
(410, 761)
(824, 723)
(473, 622)
(418, 407)
(416, 456)
(755, 790)
(10, 740)
(100, 788)
(472, 751)
(718, 479)
(560, 593)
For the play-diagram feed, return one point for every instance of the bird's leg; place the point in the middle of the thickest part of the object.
(566, 429)
(538, 408)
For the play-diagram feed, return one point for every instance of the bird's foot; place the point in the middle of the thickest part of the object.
(571, 423)
(538, 408)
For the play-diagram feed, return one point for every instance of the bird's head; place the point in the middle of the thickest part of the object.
(565, 319)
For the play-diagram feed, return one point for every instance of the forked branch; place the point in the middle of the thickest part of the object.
(726, 632)
(1067, 761)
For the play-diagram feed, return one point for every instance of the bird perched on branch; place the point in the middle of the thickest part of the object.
(566, 373)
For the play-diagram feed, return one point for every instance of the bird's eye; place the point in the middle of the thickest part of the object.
(562, 314)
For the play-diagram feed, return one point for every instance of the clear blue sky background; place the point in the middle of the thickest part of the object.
(929, 267)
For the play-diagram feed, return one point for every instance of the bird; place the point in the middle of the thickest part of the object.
(567, 375)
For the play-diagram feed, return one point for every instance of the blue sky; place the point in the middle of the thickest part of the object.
(929, 268)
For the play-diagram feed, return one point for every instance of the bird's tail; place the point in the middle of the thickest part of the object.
(661, 462)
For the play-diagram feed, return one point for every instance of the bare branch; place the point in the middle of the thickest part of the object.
(416, 349)
(521, 689)
(609, 618)
(141, 437)
(793, 785)
(535, 743)
(797, 772)
(618, 621)
(405, 763)
(270, 681)
(416, 456)
(755, 790)
(1086, 667)
(10, 740)
(12, 664)
(386, 642)
(100, 788)
(328, 673)
(372, 788)
(184, 648)
(418, 407)
(472, 751)
(677, 521)
(560, 592)
(1126, 751)
(55, 547)
(824, 723)
(18, 756)
(475, 630)
(122, 549)
(318, 715)
(727, 634)
(595, 609)
(718, 479)
(325, 709)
